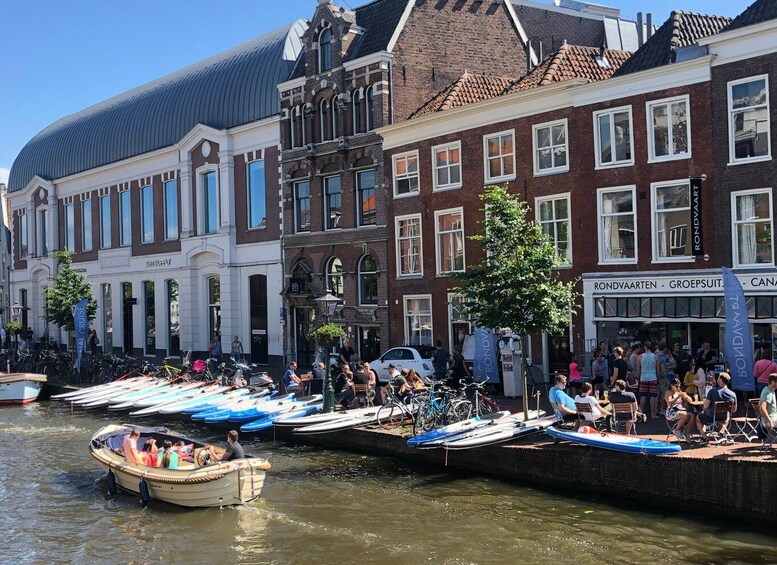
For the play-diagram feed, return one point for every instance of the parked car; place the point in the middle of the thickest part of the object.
(405, 357)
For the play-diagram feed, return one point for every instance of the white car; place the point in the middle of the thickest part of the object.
(406, 357)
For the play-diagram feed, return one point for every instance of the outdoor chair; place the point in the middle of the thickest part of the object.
(747, 426)
(622, 413)
(364, 394)
(537, 380)
(721, 417)
(768, 437)
(584, 410)
(560, 415)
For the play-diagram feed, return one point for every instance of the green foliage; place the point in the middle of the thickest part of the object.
(14, 327)
(69, 287)
(517, 284)
(327, 333)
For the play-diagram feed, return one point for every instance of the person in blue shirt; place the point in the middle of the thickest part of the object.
(562, 403)
(720, 394)
(290, 379)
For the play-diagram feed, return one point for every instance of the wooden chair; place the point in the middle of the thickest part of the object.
(623, 412)
(584, 410)
(364, 394)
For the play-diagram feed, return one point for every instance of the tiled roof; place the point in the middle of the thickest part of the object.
(572, 61)
(468, 89)
(759, 11)
(680, 30)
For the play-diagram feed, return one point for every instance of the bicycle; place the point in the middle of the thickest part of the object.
(396, 410)
(444, 406)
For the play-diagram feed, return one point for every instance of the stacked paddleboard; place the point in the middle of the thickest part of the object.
(615, 442)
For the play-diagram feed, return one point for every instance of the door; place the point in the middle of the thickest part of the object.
(127, 319)
(303, 318)
(258, 297)
(369, 343)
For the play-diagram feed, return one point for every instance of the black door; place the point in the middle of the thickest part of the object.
(128, 322)
(258, 293)
(305, 347)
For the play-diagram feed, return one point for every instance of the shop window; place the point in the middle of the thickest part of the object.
(694, 308)
(173, 319)
(150, 317)
(107, 306)
(214, 307)
(610, 307)
(763, 307)
(682, 306)
(634, 307)
(623, 308)
(720, 307)
(669, 307)
(707, 307)
(750, 301)
(657, 308)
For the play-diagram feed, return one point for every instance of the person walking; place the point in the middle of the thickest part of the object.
(441, 361)
(236, 350)
(94, 341)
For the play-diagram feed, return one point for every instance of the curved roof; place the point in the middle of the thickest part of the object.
(232, 88)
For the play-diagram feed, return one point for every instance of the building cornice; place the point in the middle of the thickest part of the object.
(741, 44)
(292, 84)
(372, 58)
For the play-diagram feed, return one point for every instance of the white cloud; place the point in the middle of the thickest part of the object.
(4, 175)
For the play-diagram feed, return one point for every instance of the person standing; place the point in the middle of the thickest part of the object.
(214, 347)
(346, 351)
(647, 372)
(619, 368)
(600, 371)
(459, 368)
(768, 405)
(764, 367)
(94, 341)
(441, 361)
(236, 350)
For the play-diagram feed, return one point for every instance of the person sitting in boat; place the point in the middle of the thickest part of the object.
(597, 410)
(129, 448)
(561, 402)
(183, 449)
(233, 451)
(167, 456)
(620, 395)
(678, 416)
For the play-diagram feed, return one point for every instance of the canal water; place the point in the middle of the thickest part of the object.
(322, 506)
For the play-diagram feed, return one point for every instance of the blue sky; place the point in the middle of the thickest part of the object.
(58, 57)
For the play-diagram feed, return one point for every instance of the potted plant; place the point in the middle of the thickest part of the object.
(327, 333)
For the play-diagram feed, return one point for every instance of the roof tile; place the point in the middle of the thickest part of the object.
(467, 89)
(759, 11)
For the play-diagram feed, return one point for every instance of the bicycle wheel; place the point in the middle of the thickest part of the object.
(391, 415)
(487, 406)
(458, 411)
(425, 420)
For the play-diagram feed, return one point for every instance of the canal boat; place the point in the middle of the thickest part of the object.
(20, 388)
(191, 485)
(587, 435)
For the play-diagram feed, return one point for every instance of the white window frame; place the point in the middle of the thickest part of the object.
(732, 160)
(735, 222)
(451, 297)
(86, 235)
(599, 193)
(397, 220)
(450, 185)
(535, 149)
(551, 198)
(405, 299)
(486, 158)
(597, 148)
(70, 227)
(437, 250)
(201, 216)
(143, 226)
(103, 224)
(654, 216)
(649, 107)
(406, 176)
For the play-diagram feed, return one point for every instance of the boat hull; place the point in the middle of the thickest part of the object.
(20, 388)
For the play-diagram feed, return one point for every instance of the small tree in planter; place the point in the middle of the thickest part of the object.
(326, 334)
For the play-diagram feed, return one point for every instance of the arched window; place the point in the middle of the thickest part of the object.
(335, 118)
(369, 119)
(325, 51)
(368, 281)
(334, 276)
(323, 112)
(357, 111)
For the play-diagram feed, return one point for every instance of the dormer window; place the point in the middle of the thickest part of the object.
(325, 51)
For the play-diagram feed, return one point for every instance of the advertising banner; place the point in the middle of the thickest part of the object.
(81, 324)
(485, 365)
(739, 343)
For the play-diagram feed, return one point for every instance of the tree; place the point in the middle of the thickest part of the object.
(69, 287)
(517, 285)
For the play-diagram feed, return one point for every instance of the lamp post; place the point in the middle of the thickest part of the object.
(327, 305)
(16, 311)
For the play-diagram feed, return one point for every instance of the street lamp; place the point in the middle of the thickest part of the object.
(327, 305)
(16, 311)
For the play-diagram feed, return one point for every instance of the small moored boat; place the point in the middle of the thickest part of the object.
(220, 484)
(20, 388)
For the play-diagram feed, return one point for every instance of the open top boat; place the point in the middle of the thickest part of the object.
(192, 484)
(20, 388)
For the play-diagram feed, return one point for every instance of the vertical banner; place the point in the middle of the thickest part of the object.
(484, 359)
(697, 227)
(81, 324)
(739, 343)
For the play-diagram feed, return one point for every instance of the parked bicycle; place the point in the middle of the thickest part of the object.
(443, 406)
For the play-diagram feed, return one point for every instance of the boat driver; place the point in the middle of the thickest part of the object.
(233, 451)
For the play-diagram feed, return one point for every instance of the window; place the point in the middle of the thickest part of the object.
(325, 51)
(335, 105)
(147, 214)
(334, 276)
(447, 166)
(105, 221)
(553, 216)
(23, 242)
(671, 221)
(173, 319)
(302, 205)
(418, 319)
(332, 196)
(357, 111)
(107, 307)
(405, 173)
(43, 226)
(550, 148)
(365, 188)
(748, 129)
(409, 250)
(86, 225)
(210, 203)
(125, 217)
(370, 108)
(500, 156)
(613, 137)
(669, 129)
(368, 281)
(70, 228)
(171, 209)
(323, 119)
(617, 225)
(149, 318)
(752, 229)
(257, 205)
(297, 127)
(449, 225)
(459, 321)
(214, 307)
(23, 304)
